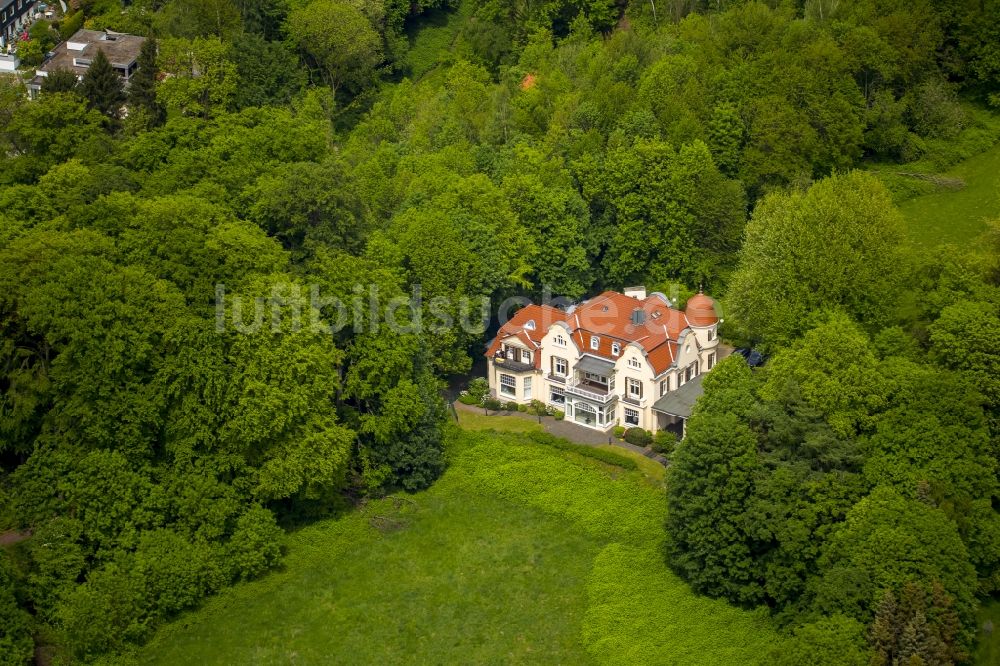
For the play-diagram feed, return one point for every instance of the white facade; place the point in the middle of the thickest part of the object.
(615, 384)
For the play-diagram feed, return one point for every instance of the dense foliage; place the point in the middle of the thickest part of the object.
(284, 157)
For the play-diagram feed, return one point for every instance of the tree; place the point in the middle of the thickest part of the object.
(269, 72)
(200, 18)
(339, 39)
(885, 542)
(832, 641)
(306, 201)
(709, 483)
(965, 337)
(54, 128)
(102, 87)
(142, 90)
(263, 17)
(16, 643)
(836, 372)
(60, 81)
(202, 80)
(836, 245)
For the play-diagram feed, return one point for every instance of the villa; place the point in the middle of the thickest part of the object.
(617, 359)
(76, 53)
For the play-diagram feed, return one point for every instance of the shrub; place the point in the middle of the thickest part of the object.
(538, 408)
(558, 414)
(255, 546)
(618, 431)
(609, 457)
(469, 399)
(664, 442)
(479, 388)
(522, 408)
(492, 404)
(638, 437)
(511, 406)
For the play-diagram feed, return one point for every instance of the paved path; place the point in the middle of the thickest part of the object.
(573, 432)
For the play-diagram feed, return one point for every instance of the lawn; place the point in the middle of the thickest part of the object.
(988, 649)
(480, 421)
(521, 553)
(957, 216)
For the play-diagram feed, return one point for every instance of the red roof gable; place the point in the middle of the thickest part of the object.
(609, 317)
(529, 325)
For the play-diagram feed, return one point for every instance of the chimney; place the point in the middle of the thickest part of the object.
(638, 293)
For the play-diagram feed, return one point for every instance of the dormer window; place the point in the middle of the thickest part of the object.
(616, 349)
(530, 325)
(634, 363)
(560, 341)
(595, 342)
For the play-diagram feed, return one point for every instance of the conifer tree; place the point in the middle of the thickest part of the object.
(102, 86)
(60, 80)
(142, 90)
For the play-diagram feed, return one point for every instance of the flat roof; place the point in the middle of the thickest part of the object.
(121, 49)
(681, 402)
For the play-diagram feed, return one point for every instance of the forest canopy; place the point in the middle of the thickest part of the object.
(281, 157)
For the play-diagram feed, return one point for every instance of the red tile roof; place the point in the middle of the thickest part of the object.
(608, 316)
(542, 317)
(700, 310)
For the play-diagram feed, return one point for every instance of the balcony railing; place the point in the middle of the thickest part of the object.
(590, 391)
(512, 365)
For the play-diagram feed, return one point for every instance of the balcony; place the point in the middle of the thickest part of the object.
(559, 379)
(590, 390)
(511, 365)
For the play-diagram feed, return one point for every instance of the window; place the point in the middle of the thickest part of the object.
(557, 398)
(711, 334)
(560, 366)
(687, 347)
(616, 349)
(525, 356)
(634, 388)
(560, 341)
(527, 388)
(597, 379)
(595, 342)
(635, 363)
(631, 417)
(508, 385)
(711, 360)
(665, 386)
(530, 325)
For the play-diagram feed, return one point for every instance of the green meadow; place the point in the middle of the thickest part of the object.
(521, 553)
(957, 216)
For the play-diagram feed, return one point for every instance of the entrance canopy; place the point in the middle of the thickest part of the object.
(680, 402)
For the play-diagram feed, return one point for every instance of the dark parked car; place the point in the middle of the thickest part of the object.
(753, 357)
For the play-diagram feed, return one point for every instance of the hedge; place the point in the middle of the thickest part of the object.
(609, 457)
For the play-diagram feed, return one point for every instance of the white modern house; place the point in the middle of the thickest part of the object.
(628, 359)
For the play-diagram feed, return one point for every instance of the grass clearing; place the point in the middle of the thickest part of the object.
(957, 216)
(988, 649)
(478, 421)
(520, 553)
